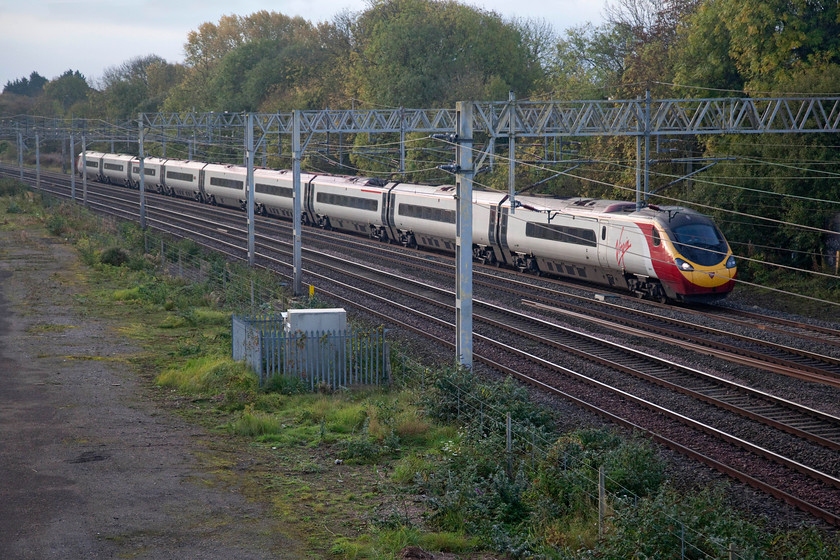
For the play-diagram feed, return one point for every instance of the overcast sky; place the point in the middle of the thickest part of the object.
(52, 36)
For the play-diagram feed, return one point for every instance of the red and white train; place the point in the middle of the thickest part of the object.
(662, 253)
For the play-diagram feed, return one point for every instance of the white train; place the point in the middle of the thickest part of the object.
(663, 253)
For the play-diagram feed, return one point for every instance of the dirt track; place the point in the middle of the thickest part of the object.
(89, 466)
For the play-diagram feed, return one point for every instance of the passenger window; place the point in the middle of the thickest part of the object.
(656, 240)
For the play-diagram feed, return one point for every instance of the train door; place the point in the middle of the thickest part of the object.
(308, 205)
(201, 195)
(388, 209)
(498, 232)
(603, 244)
(504, 254)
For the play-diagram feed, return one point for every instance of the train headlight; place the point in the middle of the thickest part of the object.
(683, 265)
(730, 262)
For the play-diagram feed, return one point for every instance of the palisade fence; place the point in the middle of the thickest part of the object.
(525, 443)
(329, 359)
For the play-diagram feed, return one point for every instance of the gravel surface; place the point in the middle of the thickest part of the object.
(90, 467)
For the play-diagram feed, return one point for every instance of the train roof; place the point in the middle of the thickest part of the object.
(281, 174)
(591, 206)
(189, 164)
(349, 180)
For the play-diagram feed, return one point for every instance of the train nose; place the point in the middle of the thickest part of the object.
(711, 278)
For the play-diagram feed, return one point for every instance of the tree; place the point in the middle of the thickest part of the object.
(702, 57)
(589, 62)
(138, 85)
(29, 87)
(213, 41)
(233, 65)
(67, 90)
(422, 53)
(761, 42)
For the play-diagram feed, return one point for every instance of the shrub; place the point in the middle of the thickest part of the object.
(285, 385)
(11, 187)
(114, 256)
(57, 225)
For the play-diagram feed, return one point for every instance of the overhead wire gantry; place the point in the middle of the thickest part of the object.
(642, 118)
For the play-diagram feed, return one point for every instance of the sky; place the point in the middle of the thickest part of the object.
(52, 36)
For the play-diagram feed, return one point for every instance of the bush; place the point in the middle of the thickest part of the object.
(661, 522)
(114, 256)
(12, 187)
(254, 424)
(57, 225)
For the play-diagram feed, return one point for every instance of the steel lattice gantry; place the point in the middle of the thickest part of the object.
(654, 117)
(641, 118)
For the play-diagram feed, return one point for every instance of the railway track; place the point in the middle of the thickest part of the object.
(796, 479)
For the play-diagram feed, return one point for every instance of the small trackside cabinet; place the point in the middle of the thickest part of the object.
(320, 320)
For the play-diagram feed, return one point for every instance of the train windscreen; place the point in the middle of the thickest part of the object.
(700, 242)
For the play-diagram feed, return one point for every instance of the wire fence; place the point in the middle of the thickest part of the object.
(236, 287)
(528, 443)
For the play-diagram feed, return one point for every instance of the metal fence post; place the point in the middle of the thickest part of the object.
(602, 501)
(37, 161)
(72, 168)
(509, 444)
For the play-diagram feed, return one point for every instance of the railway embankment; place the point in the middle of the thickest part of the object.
(131, 436)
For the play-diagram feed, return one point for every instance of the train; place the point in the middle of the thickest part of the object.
(663, 253)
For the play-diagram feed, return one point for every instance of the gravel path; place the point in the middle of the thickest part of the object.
(89, 466)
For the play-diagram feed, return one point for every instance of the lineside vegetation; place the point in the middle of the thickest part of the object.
(366, 473)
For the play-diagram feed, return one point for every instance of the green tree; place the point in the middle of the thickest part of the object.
(138, 85)
(762, 41)
(65, 92)
(590, 61)
(423, 53)
(702, 57)
(233, 65)
(28, 87)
